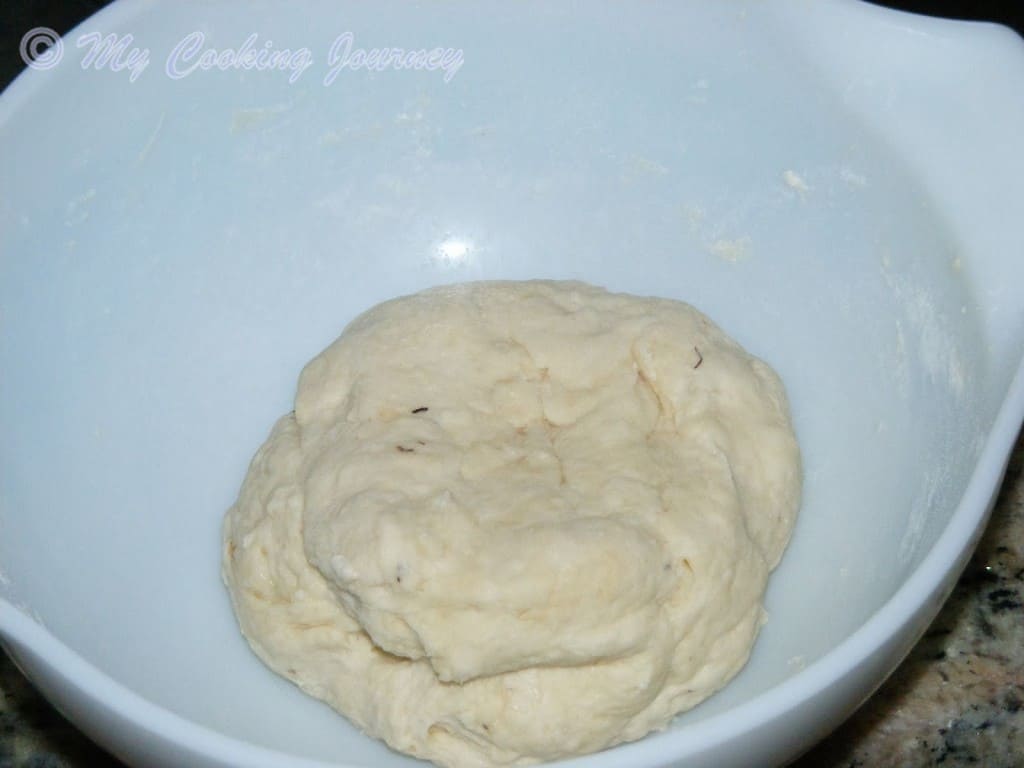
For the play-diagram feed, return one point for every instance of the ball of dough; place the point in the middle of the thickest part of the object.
(509, 522)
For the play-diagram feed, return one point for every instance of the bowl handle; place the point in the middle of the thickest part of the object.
(946, 97)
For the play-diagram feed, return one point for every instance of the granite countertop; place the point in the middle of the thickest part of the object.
(957, 700)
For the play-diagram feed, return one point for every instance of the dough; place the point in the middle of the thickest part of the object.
(510, 522)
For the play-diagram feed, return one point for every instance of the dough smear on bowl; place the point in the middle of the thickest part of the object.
(509, 522)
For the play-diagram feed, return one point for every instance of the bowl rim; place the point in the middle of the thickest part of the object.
(18, 628)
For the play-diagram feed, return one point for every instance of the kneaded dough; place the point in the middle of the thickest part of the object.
(510, 522)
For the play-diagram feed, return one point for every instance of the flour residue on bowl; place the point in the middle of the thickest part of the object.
(732, 250)
(795, 181)
(78, 208)
(714, 236)
(852, 177)
(151, 141)
(936, 348)
(245, 120)
(925, 501)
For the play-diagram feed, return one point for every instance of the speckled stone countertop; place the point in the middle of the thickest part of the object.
(958, 699)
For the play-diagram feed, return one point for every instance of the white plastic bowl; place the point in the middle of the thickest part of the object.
(840, 186)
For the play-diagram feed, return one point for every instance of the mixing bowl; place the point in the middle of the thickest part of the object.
(838, 185)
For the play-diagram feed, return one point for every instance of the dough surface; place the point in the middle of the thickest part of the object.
(510, 522)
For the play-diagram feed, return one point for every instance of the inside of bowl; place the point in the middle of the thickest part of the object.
(176, 249)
